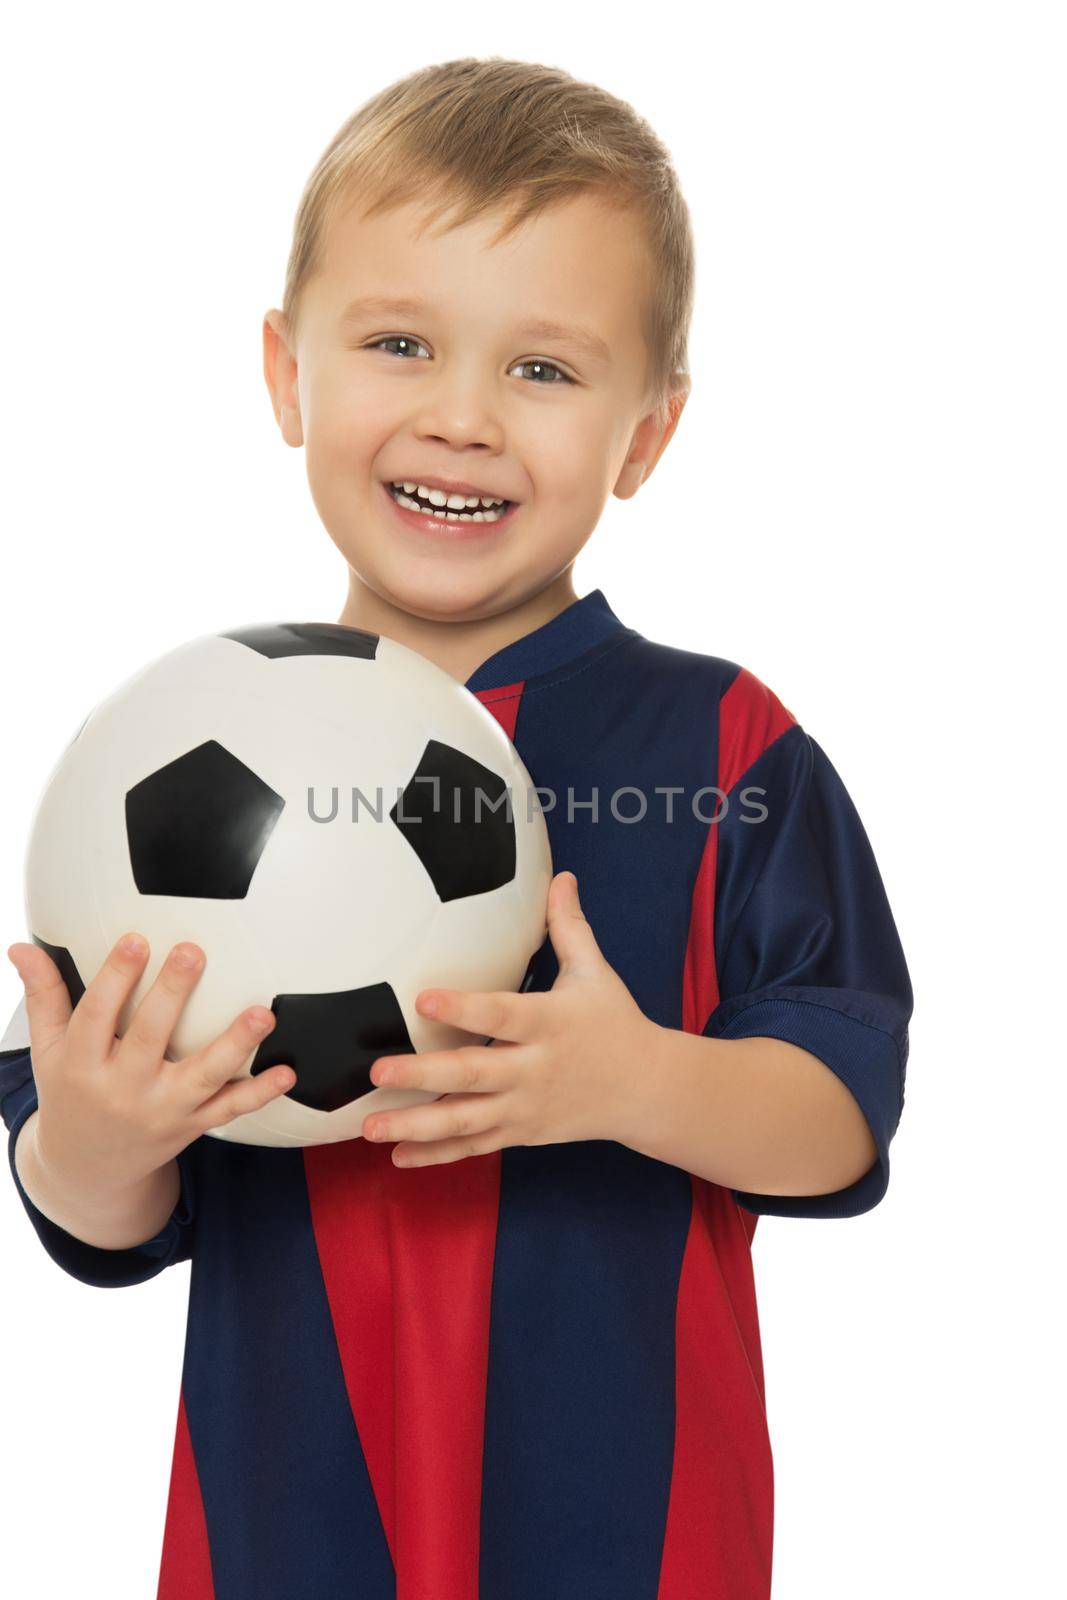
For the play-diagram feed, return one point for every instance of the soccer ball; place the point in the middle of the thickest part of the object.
(336, 821)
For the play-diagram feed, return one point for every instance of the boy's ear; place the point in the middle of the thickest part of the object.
(279, 371)
(648, 444)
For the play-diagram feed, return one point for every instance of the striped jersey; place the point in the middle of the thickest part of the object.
(536, 1374)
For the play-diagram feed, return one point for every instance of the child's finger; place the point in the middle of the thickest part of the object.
(48, 1007)
(497, 1014)
(215, 1066)
(244, 1095)
(155, 1019)
(94, 1022)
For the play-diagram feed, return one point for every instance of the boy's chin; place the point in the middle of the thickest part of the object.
(445, 596)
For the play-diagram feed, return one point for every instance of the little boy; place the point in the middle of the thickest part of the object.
(505, 1345)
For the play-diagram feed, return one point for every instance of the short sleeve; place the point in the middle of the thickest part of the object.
(92, 1264)
(807, 950)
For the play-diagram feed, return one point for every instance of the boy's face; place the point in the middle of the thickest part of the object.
(463, 391)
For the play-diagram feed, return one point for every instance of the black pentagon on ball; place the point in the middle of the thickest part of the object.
(67, 969)
(456, 816)
(199, 826)
(331, 1041)
(278, 639)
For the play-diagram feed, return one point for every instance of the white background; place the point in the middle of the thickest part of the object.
(864, 504)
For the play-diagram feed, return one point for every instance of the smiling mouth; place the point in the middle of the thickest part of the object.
(479, 512)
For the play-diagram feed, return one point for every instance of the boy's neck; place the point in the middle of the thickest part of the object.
(459, 648)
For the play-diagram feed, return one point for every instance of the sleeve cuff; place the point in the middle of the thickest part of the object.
(93, 1264)
(864, 1056)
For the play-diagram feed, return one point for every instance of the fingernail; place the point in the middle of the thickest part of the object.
(132, 945)
(261, 1023)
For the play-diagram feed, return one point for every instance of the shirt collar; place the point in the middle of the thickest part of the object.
(586, 622)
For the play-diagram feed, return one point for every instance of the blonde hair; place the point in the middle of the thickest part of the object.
(479, 133)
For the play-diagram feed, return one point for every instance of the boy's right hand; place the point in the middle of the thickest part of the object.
(112, 1111)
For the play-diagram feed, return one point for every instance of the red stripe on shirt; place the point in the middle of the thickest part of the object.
(407, 1259)
(720, 1516)
(719, 1533)
(346, 1190)
(503, 702)
(750, 719)
(185, 1565)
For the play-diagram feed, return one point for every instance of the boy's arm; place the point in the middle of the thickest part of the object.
(102, 1266)
(112, 1219)
(750, 1114)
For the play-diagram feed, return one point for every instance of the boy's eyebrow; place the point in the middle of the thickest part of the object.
(536, 328)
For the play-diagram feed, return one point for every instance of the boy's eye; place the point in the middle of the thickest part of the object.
(542, 366)
(546, 366)
(394, 338)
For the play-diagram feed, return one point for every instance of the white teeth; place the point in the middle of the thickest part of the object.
(489, 515)
(455, 502)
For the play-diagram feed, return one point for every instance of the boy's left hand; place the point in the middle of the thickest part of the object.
(560, 1066)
